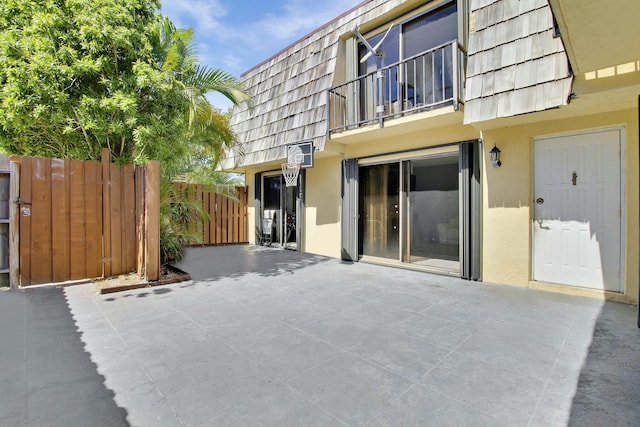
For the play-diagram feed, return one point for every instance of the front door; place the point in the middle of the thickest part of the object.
(577, 210)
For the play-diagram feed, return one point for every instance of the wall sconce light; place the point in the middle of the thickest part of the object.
(494, 154)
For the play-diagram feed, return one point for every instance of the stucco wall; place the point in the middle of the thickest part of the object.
(507, 192)
(507, 196)
(249, 179)
(412, 141)
(322, 221)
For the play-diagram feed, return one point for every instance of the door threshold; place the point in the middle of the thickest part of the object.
(583, 292)
(407, 266)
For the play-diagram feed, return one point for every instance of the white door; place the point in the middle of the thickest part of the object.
(577, 210)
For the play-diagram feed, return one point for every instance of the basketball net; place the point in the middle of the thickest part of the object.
(290, 172)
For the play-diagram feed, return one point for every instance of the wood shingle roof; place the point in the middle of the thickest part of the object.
(289, 91)
(515, 64)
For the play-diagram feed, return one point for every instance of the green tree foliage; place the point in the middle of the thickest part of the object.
(80, 75)
(207, 132)
(207, 128)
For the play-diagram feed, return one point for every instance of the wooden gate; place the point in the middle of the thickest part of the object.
(86, 219)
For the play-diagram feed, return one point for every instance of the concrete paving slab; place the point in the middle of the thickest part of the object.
(350, 387)
(46, 375)
(407, 356)
(287, 355)
(424, 407)
(279, 407)
(507, 394)
(239, 261)
(264, 336)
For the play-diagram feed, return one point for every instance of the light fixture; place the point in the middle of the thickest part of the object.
(495, 156)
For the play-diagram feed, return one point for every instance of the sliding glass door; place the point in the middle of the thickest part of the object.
(409, 211)
(433, 212)
(379, 209)
(421, 210)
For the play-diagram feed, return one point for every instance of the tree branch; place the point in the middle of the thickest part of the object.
(115, 58)
(84, 132)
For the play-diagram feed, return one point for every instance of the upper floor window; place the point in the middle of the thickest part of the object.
(412, 37)
(419, 68)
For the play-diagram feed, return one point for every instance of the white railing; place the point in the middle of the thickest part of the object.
(426, 81)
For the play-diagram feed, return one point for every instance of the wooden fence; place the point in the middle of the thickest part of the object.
(84, 219)
(226, 217)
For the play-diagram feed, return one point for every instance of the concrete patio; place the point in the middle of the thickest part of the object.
(267, 337)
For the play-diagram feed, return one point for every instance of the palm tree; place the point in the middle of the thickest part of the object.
(207, 135)
(208, 128)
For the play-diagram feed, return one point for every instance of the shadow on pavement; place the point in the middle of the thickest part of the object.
(216, 262)
(46, 376)
(608, 391)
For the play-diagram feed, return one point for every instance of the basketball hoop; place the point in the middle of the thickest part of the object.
(290, 172)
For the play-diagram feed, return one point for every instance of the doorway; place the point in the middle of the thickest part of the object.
(409, 212)
(419, 209)
(380, 211)
(433, 212)
(577, 210)
(279, 211)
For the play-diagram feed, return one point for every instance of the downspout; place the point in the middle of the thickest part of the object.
(639, 218)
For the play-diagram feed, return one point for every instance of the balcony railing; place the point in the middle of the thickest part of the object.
(429, 80)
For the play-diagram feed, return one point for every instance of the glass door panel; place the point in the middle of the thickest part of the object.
(289, 216)
(279, 211)
(272, 213)
(433, 212)
(379, 201)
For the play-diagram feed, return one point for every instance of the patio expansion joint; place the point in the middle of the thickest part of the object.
(281, 382)
(548, 378)
(226, 411)
(419, 384)
(189, 318)
(413, 386)
(111, 325)
(358, 356)
(140, 367)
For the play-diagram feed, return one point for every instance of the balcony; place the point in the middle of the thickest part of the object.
(427, 81)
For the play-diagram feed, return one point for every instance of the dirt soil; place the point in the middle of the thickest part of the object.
(121, 280)
(133, 280)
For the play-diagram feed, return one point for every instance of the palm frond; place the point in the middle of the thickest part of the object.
(208, 79)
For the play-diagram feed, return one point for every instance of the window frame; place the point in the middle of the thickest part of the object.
(408, 17)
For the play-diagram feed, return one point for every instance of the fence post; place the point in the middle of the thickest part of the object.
(152, 221)
(140, 181)
(14, 223)
(106, 213)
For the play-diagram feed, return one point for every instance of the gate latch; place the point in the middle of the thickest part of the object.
(25, 211)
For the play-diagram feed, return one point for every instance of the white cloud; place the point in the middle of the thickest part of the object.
(232, 37)
(235, 38)
(204, 16)
(231, 61)
(266, 35)
(300, 18)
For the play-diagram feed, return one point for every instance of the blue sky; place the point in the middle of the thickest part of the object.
(235, 35)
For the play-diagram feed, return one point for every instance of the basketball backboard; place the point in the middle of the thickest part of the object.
(302, 153)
